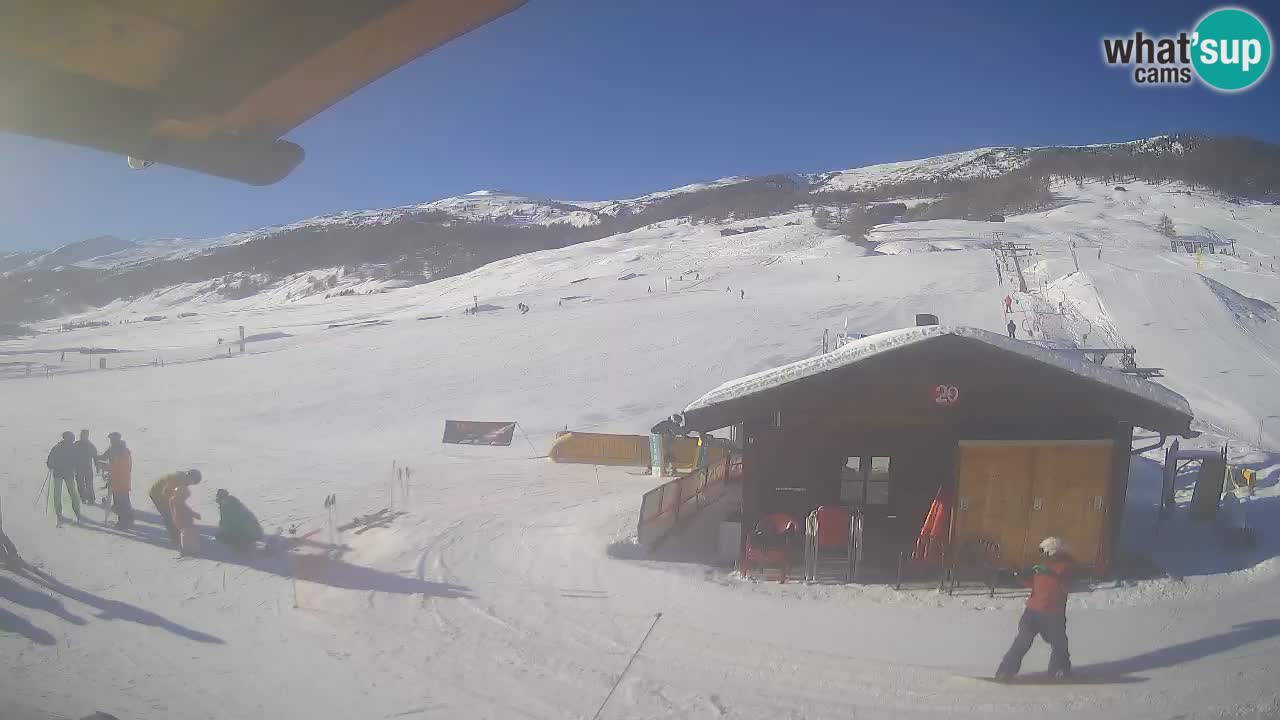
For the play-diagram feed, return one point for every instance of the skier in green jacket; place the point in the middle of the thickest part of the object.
(237, 527)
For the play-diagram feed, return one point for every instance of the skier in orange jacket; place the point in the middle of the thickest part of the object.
(116, 462)
(1046, 613)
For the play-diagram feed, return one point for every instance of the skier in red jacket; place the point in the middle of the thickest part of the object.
(1046, 613)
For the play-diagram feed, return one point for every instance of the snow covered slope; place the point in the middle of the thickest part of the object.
(496, 595)
(984, 162)
(501, 207)
(979, 163)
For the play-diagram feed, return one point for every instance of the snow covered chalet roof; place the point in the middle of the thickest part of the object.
(873, 345)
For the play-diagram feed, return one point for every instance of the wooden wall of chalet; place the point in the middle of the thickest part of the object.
(804, 455)
(808, 452)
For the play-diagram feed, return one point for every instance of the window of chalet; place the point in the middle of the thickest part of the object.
(852, 482)
(878, 481)
(865, 481)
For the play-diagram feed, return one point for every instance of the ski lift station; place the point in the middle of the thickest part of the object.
(932, 452)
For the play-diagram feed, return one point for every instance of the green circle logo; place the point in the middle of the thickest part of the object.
(1232, 49)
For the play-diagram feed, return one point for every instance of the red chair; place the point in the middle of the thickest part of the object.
(770, 543)
(828, 535)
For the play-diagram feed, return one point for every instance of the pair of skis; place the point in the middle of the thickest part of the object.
(364, 523)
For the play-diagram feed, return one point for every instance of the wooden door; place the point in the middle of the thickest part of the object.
(1069, 498)
(993, 495)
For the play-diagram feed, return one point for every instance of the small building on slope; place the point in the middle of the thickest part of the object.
(1023, 442)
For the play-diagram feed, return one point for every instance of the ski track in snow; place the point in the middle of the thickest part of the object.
(494, 597)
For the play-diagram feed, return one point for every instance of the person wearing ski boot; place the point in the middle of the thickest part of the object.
(162, 492)
(62, 466)
(184, 521)
(237, 527)
(85, 453)
(116, 462)
(1045, 614)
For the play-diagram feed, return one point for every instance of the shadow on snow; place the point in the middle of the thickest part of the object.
(33, 596)
(1187, 652)
(319, 567)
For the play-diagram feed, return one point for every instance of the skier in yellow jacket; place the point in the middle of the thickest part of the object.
(162, 492)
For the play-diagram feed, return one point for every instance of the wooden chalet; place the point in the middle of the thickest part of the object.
(1023, 442)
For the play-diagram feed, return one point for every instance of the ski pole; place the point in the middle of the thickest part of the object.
(43, 489)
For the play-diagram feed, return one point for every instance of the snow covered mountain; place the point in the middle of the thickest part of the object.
(514, 210)
(443, 238)
(984, 162)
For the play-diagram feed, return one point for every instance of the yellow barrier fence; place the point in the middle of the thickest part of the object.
(627, 450)
(601, 449)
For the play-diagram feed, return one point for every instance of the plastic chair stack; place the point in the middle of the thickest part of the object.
(770, 543)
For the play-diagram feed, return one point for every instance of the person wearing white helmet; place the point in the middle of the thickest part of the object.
(1046, 612)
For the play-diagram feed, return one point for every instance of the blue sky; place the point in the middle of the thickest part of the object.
(584, 99)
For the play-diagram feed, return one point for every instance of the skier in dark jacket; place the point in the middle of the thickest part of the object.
(1046, 613)
(237, 527)
(62, 465)
(85, 454)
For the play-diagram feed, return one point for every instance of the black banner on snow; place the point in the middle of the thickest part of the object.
(470, 432)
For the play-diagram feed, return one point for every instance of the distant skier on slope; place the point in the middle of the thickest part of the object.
(1012, 327)
(1046, 613)
(62, 465)
(237, 527)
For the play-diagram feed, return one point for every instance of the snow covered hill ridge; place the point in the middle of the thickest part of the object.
(513, 209)
(428, 241)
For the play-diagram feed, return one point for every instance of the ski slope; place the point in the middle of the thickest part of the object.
(498, 595)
